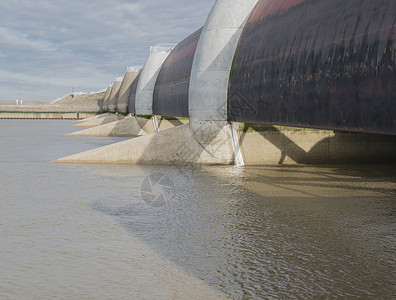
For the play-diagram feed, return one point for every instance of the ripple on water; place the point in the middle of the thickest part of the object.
(256, 232)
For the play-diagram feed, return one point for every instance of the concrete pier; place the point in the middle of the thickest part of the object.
(101, 121)
(203, 143)
(94, 117)
(148, 77)
(163, 123)
(178, 145)
(125, 89)
(130, 126)
(208, 92)
(125, 127)
(106, 98)
(112, 103)
(213, 59)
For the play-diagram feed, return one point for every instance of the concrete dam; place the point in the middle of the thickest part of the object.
(262, 82)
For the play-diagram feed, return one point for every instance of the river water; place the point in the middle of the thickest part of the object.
(165, 232)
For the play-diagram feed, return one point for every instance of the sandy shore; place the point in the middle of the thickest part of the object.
(78, 103)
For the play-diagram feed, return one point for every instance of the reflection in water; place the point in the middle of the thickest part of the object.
(94, 231)
(275, 231)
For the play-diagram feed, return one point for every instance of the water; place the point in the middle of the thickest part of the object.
(166, 232)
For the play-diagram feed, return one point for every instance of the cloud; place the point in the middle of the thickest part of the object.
(85, 42)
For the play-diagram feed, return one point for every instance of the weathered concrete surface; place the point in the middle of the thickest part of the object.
(112, 103)
(101, 121)
(125, 90)
(163, 124)
(94, 117)
(125, 127)
(183, 144)
(315, 147)
(210, 143)
(130, 126)
(83, 115)
(213, 59)
(106, 98)
(146, 124)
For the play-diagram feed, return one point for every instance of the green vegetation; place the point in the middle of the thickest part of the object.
(148, 117)
(248, 127)
(162, 117)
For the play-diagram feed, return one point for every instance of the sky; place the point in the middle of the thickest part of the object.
(50, 47)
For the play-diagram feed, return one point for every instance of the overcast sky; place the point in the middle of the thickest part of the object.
(48, 47)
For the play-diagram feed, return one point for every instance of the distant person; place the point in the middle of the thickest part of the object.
(21, 102)
(16, 102)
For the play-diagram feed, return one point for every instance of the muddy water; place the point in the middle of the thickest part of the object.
(152, 232)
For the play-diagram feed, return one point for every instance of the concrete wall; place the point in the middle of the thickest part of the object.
(147, 79)
(106, 98)
(213, 58)
(111, 107)
(57, 116)
(125, 90)
(304, 146)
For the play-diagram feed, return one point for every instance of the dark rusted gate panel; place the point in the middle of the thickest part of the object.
(132, 96)
(321, 64)
(172, 86)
